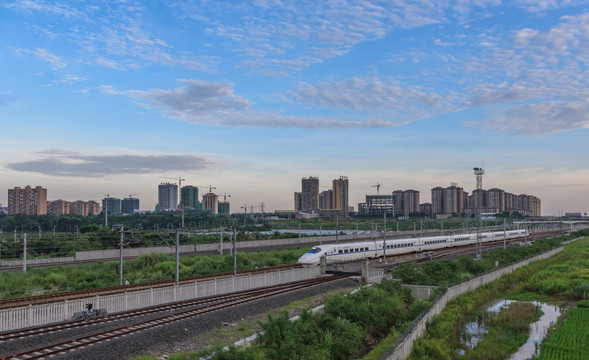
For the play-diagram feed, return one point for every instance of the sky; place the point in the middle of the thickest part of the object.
(115, 97)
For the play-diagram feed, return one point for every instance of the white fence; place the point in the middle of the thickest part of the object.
(55, 261)
(37, 315)
(405, 347)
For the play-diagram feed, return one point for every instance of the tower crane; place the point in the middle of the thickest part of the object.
(211, 187)
(377, 186)
(179, 180)
(179, 185)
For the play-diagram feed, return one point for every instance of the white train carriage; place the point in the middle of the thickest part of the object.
(374, 249)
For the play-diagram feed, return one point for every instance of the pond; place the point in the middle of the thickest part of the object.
(475, 330)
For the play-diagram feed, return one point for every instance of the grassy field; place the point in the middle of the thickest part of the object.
(561, 279)
(570, 341)
(155, 266)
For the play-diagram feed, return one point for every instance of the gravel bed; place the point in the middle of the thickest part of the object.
(188, 334)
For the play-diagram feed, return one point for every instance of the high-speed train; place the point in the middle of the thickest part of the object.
(374, 249)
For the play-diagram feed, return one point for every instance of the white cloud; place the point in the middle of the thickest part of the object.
(545, 79)
(540, 119)
(216, 104)
(43, 55)
(365, 94)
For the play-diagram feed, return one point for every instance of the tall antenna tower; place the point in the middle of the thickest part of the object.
(479, 172)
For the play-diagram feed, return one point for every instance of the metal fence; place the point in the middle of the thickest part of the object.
(36, 315)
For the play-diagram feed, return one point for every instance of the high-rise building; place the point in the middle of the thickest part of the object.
(340, 196)
(426, 209)
(310, 194)
(167, 196)
(189, 198)
(112, 205)
(224, 208)
(59, 207)
(410, 202)
(28, 201)
(495, 199)
(398, 199)
(326, 199)
(298, 201)
(210, 201)
(453, 200)
(377, 205)
(438, 200)
(130, 205)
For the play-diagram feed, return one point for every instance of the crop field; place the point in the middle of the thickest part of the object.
(571, 341)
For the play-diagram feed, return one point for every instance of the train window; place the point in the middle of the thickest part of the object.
(314, 250)
(339, 251)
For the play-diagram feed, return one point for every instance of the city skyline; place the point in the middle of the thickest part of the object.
(109, 98)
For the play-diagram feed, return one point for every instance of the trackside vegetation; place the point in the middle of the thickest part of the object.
(448, 272)
(148, 267)
(562, 278)
(348, 327)
(309, 338)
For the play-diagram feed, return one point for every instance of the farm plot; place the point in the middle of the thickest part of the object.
(571, 341)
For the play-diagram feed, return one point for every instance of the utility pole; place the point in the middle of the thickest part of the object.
(234, 252)
(221, 242)
(479, 172)
(106, 211)
(121, 256)
(336, 228)
(504, 235)
(177, 258)
(384, 238)
(24, 253)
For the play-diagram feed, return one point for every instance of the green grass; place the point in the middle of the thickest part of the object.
(508, 330)
(571, 340)
(565, 271)
(149, 267)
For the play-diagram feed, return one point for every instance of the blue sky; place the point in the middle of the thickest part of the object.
(249, 97)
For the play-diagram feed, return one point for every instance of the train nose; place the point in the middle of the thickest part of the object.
(307, 259)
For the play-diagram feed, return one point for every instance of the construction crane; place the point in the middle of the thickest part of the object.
(377, 186)
(179, 180)
(211, 187)
(131, 196)
(179, 186)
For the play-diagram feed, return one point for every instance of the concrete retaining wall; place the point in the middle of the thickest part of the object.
(37, 315)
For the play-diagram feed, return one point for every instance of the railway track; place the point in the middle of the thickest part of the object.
(80, 294)
(160, 316)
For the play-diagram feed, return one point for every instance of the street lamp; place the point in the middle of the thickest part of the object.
(15, 233)
(39, 226)
(77, 233)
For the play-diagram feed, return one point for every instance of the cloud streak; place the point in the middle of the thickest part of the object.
(61, 163)
(216, 104)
